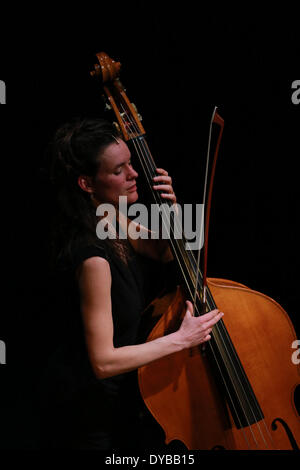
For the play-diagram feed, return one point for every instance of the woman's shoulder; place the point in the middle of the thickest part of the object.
(83, 251)
(80, 249)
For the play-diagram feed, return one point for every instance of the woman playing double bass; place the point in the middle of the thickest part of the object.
(92, 392)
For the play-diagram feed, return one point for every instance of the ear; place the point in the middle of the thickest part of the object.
(85, 183)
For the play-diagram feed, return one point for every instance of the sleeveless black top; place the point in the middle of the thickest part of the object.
(69, 371)
(69, 391)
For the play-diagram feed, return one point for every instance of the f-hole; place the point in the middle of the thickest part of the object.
(287, 430)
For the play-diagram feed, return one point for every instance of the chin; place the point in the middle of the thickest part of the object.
(132, 197)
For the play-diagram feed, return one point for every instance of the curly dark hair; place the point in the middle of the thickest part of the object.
(76, 150)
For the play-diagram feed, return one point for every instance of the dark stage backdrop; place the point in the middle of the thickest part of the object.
(177, 64)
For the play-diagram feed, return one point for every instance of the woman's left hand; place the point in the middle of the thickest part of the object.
(163, 183)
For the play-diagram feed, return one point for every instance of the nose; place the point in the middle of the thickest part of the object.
(132, 174)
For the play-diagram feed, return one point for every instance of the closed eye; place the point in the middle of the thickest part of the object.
(119, 168)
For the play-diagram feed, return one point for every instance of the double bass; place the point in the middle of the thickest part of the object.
(238, 392)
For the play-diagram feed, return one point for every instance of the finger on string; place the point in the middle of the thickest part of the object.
(212, 322)
(163, 178)
(209, 315)
(163, 187)
(172, 197)
(189, 307)
(162, 171)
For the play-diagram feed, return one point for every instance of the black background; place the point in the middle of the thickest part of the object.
(177, 64)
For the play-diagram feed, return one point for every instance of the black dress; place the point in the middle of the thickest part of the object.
(79, 411)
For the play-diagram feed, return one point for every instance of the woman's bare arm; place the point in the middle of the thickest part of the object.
(95, 284)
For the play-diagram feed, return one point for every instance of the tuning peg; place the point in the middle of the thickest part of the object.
(138, 114)
(97, 70)
(117, 126)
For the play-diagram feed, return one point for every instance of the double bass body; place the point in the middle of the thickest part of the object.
(182, 390)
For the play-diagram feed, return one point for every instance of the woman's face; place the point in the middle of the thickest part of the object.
(115, 176)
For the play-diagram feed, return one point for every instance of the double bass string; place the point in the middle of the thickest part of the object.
(148, 169)
(142, 149)
(145, 165)
(139, 150)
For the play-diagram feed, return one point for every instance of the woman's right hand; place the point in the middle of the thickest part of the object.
(196, 330)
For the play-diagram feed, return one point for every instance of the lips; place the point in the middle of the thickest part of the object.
(132, 188)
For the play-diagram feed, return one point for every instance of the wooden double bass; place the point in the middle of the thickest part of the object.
(238, 392)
